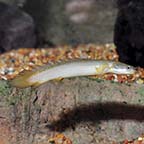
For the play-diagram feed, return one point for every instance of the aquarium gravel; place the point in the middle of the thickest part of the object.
(16, 61)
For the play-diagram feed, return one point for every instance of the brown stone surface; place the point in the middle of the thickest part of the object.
(83, 109)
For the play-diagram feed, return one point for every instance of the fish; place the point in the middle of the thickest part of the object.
(69, 69)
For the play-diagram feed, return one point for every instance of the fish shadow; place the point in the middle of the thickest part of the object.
(96, 112)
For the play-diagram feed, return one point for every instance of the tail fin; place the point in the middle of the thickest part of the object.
(22, 80)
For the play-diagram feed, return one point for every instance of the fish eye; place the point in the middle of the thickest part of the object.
(128, 67)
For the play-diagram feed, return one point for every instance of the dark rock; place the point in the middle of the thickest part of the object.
(17, 28)
(129, 32)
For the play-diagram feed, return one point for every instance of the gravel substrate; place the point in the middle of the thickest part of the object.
(16, 61)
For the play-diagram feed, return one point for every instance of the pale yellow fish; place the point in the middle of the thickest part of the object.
(70, 69)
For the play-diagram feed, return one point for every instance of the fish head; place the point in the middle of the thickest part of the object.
(121, 68)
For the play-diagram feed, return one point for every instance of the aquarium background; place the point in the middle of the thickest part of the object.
(54, 26)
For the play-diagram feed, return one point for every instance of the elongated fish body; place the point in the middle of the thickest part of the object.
(70, 69)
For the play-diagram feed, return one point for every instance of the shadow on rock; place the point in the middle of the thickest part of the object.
(98, 112)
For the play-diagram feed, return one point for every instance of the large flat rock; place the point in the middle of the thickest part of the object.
(85, 110)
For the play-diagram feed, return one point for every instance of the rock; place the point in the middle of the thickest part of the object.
(129, 32)
(17, 28)
(85, 110)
